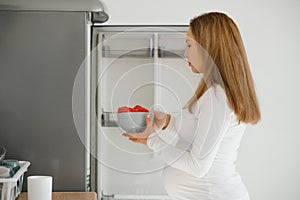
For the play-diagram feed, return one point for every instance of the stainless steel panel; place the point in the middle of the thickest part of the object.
(40, 54)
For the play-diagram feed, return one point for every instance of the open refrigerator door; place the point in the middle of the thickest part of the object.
(136, 66)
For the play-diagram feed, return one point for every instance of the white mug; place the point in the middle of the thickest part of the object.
(39, 187)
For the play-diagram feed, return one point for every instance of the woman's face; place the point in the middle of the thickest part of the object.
(192, 53)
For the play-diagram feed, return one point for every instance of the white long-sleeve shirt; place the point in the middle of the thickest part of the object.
(200, 149)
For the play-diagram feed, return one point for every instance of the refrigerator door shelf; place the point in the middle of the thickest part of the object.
(136, 53)
(138, 45)
(108, 119)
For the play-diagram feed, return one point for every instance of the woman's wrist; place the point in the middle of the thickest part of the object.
(167, 121)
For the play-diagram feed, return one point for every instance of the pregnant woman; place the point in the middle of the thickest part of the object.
(199, 145)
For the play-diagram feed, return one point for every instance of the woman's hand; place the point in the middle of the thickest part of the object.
(139, 140)
(159, 121)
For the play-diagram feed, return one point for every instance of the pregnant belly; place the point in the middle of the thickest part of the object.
(180, 185)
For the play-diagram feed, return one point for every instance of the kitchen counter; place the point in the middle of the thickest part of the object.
(66, 196)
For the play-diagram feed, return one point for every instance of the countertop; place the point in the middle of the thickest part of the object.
(66, 196)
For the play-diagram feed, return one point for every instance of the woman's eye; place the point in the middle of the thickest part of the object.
(188, 45)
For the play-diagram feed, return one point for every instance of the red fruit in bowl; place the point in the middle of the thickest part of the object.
(133, 110)
(136, 108)
(140, 108)
(123, 109)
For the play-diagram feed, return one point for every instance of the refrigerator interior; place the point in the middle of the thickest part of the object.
(136, 66)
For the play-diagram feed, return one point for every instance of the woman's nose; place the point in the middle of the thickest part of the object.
(185, 53)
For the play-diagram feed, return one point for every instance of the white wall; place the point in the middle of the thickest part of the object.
(268, 160)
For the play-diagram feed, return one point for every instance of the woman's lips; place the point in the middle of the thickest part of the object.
(189, 63)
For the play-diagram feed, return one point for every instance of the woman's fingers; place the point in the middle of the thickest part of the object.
(136, 140)
(158, 118)
(148, 119)
(126, 135)
(135, 135)
(130, 137)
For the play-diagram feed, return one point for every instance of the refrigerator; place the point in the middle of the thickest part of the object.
(42, 47)
(134, 65)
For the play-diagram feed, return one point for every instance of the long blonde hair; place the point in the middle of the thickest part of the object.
(219, 36)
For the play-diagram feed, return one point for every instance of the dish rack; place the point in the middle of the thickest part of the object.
(10, 188)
